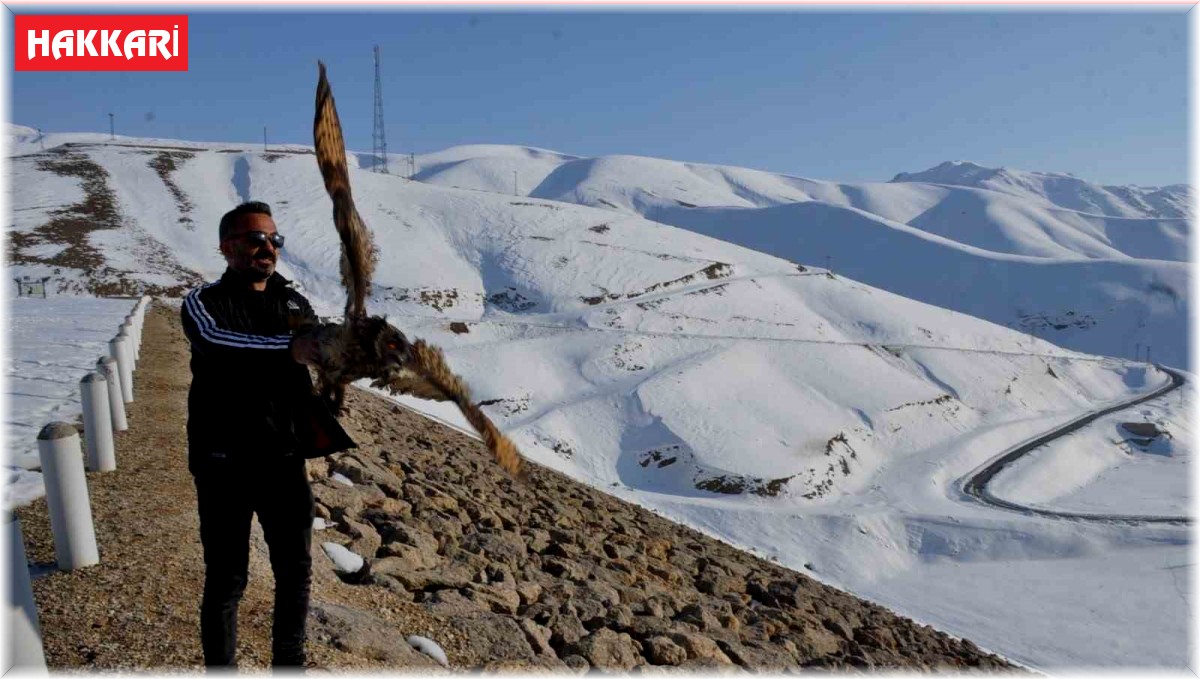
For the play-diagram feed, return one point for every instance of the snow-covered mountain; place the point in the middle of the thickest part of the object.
(755, 395)
(1103, 283)
(1064, 190)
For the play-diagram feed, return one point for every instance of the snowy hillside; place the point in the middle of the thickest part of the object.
(1108, 280)
(754, 395)
(1063, 190)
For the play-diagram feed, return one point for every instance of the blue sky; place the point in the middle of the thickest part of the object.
(849, 96)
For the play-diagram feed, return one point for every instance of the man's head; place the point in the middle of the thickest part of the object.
(250, 241)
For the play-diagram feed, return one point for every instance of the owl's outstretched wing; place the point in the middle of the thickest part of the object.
(358, 249)
(367, 346)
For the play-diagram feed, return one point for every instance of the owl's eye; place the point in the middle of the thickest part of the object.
(391, 345)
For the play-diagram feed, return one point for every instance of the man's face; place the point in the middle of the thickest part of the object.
(252, 259)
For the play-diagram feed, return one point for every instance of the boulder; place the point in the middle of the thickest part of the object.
(363, 470)
(662, 651)
(364, 635)
(495, 637)
(701, 647)
(396, 557)
(608, 650)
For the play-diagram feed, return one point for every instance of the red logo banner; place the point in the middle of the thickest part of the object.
(97, 42)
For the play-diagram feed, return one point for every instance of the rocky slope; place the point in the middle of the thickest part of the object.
(504, 574)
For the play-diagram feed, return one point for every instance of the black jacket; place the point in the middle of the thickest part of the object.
(249, 399)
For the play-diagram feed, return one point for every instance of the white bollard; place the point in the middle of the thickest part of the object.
(116, 403)
(67, 496)
(25, 635)
(128, 328)
(97, 423)
(118, 348)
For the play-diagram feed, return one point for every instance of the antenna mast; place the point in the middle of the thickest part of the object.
(379, 143)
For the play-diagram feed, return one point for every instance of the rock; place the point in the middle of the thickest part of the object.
(815, 642)
(443, 578)
(452, 602)
(538, 637)
(699, 646)
(601, 591)
(529, 592)
(563, 568)
(767, 657)
(364, 635)
(835, 622)
(388, 508)
(609, 650)
(565, 629)
(495, 637)
(590, 612)
(620, 616)
(662, 651)
(877, 637)
(577, 663)
(339, 500)
(365, 539)
(398, 531)
(646, 625)
(699, 616)
(538, 540)
(497, 599)
(504, 546)
(657, 548)
(719, 585)
(397, 557)
(363, 470)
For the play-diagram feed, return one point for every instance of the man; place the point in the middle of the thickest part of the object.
(253, 419)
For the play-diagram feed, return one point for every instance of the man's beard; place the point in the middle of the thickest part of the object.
(258, 271)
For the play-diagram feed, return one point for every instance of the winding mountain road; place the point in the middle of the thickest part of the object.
(975, 485)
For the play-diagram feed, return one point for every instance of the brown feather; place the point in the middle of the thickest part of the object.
(422, 370)
(358, 248)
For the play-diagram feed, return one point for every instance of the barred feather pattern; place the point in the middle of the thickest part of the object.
(416, 368)
(358, 248)
(434, 377)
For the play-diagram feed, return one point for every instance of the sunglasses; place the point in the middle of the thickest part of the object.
(262, 238)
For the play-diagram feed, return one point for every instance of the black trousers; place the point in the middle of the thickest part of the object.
(228, 493)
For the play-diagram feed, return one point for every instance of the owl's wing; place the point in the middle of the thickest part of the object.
(358, 249)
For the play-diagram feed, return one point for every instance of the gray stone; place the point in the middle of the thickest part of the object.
(609, 650)
(452, 602)
(495, 637)
(497, 599)
(503, 546)
(538, 637)
(397, 557)
(565, 629)
(363, 470)
(700, 646)
(662, 651)
(364, 635)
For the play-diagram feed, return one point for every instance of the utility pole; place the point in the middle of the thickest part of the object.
(112, 130)
(264, 138)
(412, 165)
(515, 191)
(1147, 353)
(379, 142)
(1137, 351)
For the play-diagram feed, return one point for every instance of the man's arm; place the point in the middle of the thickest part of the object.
(209, 335)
